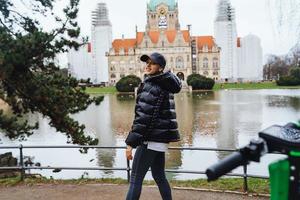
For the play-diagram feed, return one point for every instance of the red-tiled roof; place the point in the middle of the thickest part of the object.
(171, 35)
(186, 35)
(126, 44)
(154, 36)
(205, 40)
(139, 37)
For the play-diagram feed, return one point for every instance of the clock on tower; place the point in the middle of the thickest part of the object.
(162, 20)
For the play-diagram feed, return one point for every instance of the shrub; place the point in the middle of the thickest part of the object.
(192, 76)
(128, 83)
(295, 72)
(199, 82)
(288, 81)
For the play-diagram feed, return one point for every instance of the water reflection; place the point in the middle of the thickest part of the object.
(283, 101)
(206, 113)
(125, 97)
(295, 103)
(223, 119)
(122, 113)
(106, 136)
(98, 120)
(240, 114)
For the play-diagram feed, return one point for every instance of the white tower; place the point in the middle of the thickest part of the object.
(101, 43)
(80, 62)
(250, 59)
(226, 38)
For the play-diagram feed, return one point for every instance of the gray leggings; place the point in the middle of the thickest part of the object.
(144, 159)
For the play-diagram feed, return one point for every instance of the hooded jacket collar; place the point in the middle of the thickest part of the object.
(167, 81)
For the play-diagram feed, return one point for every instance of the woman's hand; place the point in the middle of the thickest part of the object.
(129, 153)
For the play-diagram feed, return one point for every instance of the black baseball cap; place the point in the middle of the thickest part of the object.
(156, 58)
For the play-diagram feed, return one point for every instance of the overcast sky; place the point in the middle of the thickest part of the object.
(258, 17)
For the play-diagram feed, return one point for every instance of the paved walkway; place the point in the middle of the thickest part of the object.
(106, 192)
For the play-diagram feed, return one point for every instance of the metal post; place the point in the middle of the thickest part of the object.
(245, 178)
(22, 162)
(294, 192)
(128, 170)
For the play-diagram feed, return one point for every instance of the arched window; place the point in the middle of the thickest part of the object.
(179, 62)
(215, 73)
(122, 75)
(112, 76)
(205, 63)
(215, 63)
(180, 75)
(205, 73)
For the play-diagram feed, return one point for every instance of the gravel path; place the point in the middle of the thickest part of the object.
(106, 192)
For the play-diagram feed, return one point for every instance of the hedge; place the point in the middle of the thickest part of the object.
(199, 82)
(128, 83)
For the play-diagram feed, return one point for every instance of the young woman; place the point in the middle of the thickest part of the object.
(154, 126)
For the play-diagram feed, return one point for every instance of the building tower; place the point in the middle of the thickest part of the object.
(226, 38)
(101, 43)
(80, 62)
(250, 58)
(162, 15)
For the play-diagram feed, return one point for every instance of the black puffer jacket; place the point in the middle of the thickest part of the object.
(155, 117)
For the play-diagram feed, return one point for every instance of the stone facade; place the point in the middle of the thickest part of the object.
(162, 16)
(163, 35)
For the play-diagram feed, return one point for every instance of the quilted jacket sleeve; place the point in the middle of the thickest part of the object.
(146, 110)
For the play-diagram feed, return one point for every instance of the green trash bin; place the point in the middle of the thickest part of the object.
(279, 179)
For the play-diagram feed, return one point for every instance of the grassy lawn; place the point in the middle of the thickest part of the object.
(218, 86)
(101, 90)
(259, 186)
(252, 86)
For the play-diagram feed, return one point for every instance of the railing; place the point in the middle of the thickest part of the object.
(22, 167)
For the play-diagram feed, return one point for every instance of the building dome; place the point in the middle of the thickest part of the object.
(154, 3)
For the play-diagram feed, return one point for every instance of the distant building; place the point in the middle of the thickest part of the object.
(250, 60)
(101, 42)
(226, 38)
(240, 58)
(222, 57)
(185, 54)
(80, 63)
(90, 60)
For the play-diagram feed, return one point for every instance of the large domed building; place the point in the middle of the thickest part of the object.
(185, 54)
(224, 57)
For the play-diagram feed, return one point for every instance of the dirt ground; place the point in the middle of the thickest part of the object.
(107, 192)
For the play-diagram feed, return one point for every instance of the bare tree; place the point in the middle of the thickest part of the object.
(285, 15)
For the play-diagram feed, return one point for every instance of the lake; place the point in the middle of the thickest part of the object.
(221, 119)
